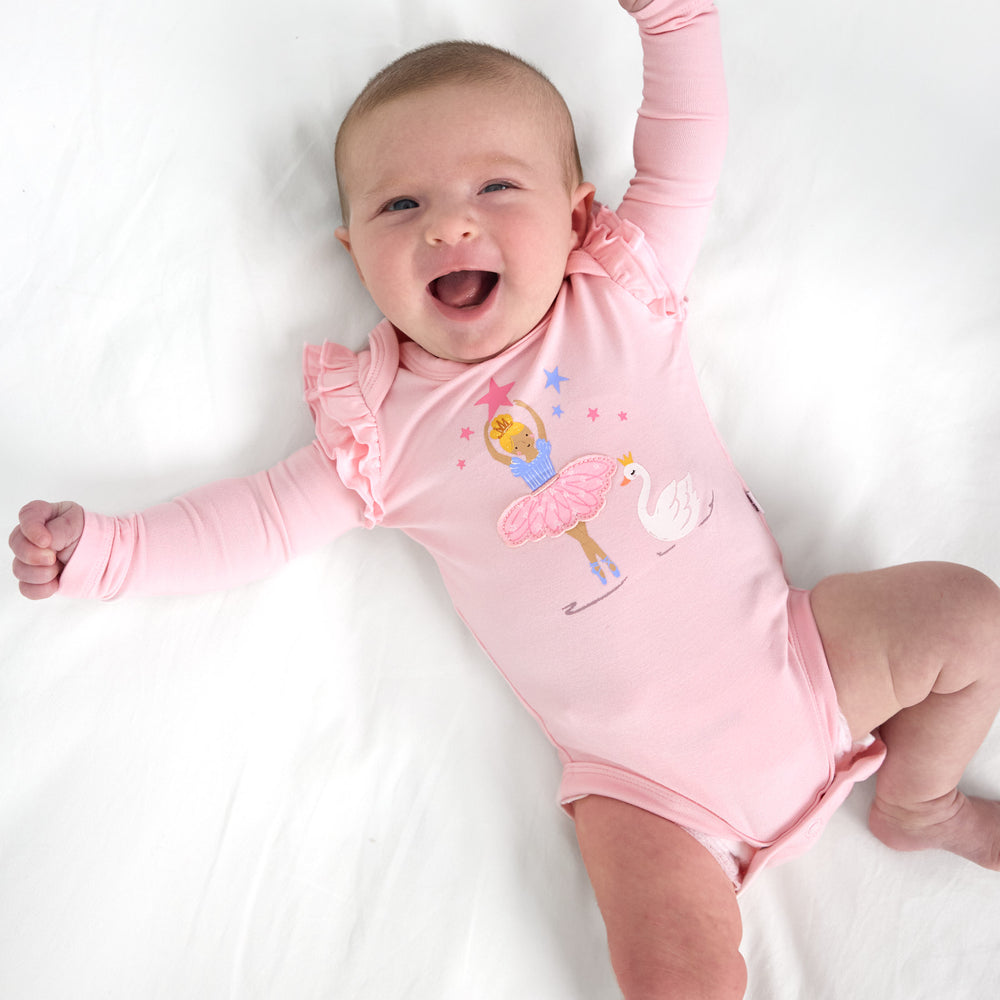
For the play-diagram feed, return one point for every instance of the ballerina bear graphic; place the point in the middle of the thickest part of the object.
(560, 503)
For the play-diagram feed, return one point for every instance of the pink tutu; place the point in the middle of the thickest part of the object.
(576, 493)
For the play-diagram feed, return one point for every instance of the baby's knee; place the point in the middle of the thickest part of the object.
(976, 600)
(988, 596)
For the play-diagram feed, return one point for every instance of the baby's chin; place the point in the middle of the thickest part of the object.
(466, 347)
(468, 338)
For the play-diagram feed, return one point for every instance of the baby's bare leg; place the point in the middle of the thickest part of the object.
(915, 651)
(671, 915)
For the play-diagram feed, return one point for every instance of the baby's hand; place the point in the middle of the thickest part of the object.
(634, 5)
(45, 537)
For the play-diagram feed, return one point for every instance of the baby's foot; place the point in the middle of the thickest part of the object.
(968, 827)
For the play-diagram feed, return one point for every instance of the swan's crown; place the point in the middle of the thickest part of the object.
(626, 460)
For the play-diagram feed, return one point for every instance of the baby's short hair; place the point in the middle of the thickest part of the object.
(456, 62)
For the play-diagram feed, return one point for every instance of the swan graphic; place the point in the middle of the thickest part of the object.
(677, 509)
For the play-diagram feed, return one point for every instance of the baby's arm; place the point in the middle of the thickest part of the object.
(215, 537)
(680, 135)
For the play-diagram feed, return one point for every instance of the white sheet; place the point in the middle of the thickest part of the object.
(315, 787)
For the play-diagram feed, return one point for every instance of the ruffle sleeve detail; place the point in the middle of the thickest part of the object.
(345, 424)
(621, 250)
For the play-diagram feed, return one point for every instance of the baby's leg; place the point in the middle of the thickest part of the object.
(672, 919)
(915, 651)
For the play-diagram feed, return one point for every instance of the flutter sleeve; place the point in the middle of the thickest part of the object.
(620, 249)
(680, 134)
(216, 537)
(345, 423)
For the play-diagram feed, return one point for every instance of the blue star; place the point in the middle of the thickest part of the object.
(557, 411)
(554, 379)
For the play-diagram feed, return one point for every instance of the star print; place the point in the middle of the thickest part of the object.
(466, 433)
(557, 411)
(496, 397)
(554, 379)
(623, 415)
(461, 463)
(592, 414)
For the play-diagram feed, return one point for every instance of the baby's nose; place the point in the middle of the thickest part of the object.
(450, 226)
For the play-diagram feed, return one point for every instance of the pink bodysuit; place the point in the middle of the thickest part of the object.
(619, 574)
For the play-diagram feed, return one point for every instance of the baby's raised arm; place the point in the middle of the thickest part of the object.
(680, 134)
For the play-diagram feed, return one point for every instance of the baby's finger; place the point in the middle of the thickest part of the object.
(32, 518)
(29, 553)
(38, 592)
(66, 527)
(35, 575)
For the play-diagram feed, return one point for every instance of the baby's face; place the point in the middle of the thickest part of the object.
(461, 217)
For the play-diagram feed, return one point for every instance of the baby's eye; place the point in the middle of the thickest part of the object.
(497, 186)
(400, 205)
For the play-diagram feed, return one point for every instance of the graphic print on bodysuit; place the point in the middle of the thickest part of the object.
(678, 509)
(560, 502)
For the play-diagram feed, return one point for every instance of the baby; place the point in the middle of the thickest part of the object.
(527, 410)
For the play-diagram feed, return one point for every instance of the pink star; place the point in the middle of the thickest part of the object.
(466, 433)
(593, 414)
(496, 397)
(623, 415)
(461, 463)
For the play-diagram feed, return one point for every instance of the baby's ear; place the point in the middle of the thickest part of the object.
(582, 203)
(344, 239)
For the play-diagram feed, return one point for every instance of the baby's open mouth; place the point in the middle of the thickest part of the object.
(464, 289)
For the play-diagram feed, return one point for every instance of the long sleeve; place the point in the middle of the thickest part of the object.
(680, 134)
(216, 537)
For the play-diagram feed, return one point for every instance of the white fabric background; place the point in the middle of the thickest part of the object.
(315, 786)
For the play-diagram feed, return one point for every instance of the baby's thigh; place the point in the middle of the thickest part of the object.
(893, 635)
(671, 914)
